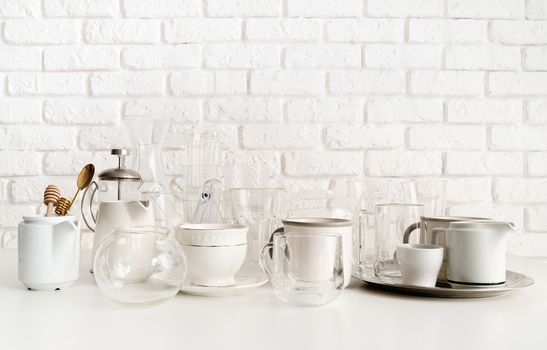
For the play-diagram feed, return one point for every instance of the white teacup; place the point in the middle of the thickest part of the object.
(214, 252)
(420, 263)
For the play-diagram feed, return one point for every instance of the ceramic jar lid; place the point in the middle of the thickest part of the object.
(212, 235)
(317, 222)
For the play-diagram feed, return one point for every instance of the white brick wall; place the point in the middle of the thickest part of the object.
(321, 89)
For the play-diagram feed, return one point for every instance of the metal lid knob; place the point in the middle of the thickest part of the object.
(120, 152)
(121, 173)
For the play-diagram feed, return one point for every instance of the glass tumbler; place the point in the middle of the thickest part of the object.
(139, 265)
(305, 269)
(248, 175)
(261, 210)
(432, 194)
(391, 221)
(367, 194)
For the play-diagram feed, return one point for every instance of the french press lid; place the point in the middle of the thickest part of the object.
(121, 173)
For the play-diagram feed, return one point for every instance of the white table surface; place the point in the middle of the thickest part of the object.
(79, 317)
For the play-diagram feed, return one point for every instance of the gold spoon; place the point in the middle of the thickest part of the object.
(84, 179)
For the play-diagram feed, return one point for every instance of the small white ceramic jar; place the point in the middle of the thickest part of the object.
(49, 251)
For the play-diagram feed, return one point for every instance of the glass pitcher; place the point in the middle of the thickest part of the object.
(147, 134)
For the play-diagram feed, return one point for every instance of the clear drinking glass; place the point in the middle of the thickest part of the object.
(203, 148)
(432, 194)
(261, 210)
(139, 265)
(391, 221)
(367, 194)
(195, 176)
(248, 175)
(304, 268)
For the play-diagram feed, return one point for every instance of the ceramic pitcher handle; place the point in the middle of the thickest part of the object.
(266, 259)
(409, 230)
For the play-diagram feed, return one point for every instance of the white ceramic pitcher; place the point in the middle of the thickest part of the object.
(49, 251)
(475, 252)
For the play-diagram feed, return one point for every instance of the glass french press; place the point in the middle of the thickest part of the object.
(119, 201)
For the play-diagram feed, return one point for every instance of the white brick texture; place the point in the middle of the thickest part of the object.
(519, 32)
(283, 30)
(485, 8)
(19, 8)
(321, 90)
(42, 31)
(87, 8)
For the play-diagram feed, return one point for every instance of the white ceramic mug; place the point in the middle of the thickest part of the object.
(326, 226)
(49, 251)
(419, 263)
(214, 252)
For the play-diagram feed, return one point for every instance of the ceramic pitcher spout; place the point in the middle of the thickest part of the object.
(64, 234)
(144, 204)
(505, 227)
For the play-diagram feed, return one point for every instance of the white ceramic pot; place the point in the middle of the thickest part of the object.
(49, 251)
(214, 252)
(329, 226)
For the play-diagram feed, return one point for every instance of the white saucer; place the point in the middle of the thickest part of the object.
(243, 284)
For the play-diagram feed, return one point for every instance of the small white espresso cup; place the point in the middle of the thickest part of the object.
(420, 263)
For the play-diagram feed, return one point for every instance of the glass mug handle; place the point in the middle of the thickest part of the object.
(409, 230)
(266, 259)
(363, 238)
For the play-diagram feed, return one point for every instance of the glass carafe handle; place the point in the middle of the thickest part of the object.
(90, 206)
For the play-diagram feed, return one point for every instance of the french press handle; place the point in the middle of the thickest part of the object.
(90, 206)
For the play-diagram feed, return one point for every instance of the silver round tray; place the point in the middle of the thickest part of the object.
(514, 280)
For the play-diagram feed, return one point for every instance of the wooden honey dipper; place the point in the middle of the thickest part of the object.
(63, 206)
(51, 198)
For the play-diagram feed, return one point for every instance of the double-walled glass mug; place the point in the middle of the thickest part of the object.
(391, 222)
(304, 269)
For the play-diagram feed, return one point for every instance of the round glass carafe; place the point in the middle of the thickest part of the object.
(139, 265)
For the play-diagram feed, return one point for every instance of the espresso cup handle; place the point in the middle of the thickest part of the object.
(409, 230)
(266, 259)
